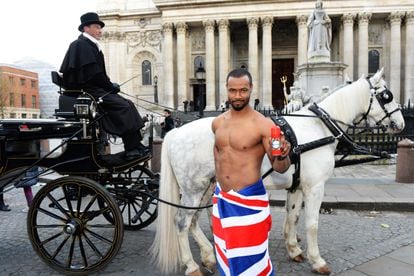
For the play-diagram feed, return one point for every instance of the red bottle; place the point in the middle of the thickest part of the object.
(275, 140)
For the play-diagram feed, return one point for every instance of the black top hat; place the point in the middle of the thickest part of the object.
(89, 18)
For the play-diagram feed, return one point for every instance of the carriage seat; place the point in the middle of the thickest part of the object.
(67, 98)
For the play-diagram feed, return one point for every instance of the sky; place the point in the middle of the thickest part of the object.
(40, 29)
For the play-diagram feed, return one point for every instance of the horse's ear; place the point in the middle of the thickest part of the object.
(378, 75)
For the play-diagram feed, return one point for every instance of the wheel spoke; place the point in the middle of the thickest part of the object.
(70, 257)
(105, 226)
(46, 226)
(60, 247)
(58, 205)
(83, 253)
(91, 202)
(94, 248)
(67, 199)
(99, 237)
(42, 243)
(51, 214)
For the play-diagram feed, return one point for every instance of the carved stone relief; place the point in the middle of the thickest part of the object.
(143, 39)
(375, 33)
(198, 41)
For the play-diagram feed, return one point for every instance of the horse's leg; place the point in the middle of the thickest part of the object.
(313, 200)
(183, 221)
(206, 249)
(293, 207)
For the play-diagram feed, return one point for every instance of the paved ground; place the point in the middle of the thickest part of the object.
(353, 242)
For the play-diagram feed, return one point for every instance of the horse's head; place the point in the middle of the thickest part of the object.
(382, 110)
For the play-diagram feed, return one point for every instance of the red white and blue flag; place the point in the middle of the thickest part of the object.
(241, 226)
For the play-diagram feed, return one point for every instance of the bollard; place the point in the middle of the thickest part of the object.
(405, 161)
(156, 155)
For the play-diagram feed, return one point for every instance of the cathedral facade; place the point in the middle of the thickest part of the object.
(158, 46)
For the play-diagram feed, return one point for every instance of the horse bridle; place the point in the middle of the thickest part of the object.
(384, 97)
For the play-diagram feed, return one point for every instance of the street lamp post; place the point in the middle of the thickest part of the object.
(201, 76)
(155, 89)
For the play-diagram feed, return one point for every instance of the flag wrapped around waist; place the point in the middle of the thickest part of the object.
(241, 226)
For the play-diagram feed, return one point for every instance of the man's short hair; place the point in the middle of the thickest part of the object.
(238, 73)
(167, 110)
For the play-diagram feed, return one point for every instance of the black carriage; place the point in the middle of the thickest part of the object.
(76, 220)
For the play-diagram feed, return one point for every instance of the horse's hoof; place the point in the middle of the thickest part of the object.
(195, 273)
(299, 258)
(210, 268)
(298, 238)
(324, 270)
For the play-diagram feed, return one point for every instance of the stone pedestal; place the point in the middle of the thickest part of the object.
(315, 76)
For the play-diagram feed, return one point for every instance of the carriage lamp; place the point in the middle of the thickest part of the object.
(84, 107)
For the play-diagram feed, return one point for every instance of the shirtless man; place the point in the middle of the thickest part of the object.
(241, 215)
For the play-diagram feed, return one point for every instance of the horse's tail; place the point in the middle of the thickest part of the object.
(165, 248)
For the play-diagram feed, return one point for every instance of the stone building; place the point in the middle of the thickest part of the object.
(171, 39)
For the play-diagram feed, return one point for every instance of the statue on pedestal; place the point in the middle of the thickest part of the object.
(320, 35)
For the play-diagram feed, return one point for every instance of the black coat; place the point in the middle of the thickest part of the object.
(168, 125)
(84, 68)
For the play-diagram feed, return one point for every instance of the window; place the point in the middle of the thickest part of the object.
(11, 99)
(34, 116)
(12, 115)
(33, 83)
(24, 115)
(11, 80)
(23, 98)
(146, 73)
(373, 61)
(22, 82)
(198, 62)
(33, 101)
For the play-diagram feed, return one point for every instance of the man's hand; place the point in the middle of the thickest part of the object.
(115, 88)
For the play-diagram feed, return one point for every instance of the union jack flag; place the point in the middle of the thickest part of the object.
(241, 226)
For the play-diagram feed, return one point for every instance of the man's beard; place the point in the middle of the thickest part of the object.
(240, 107)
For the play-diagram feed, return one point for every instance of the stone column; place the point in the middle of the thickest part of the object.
(363, 20)
(168, 93)
(395, 54)
(224, 55)
(409, 57)
(253, 57)
(182, 78)
(301, 20)
(210, 65)
(266, 100)
(348, 21)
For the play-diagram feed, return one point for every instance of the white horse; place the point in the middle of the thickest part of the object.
(187, 169)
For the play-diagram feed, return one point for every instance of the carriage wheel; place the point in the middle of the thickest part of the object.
(67, 227)
(135, 196)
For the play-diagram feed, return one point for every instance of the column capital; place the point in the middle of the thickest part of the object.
(395, 17)
(409, 17)
(252, 22)
(364, 17)
(181, 27)
(167, 27)
(267, 21)
(223, 24)
(348, 18)
(301, 20)
(209, 25)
